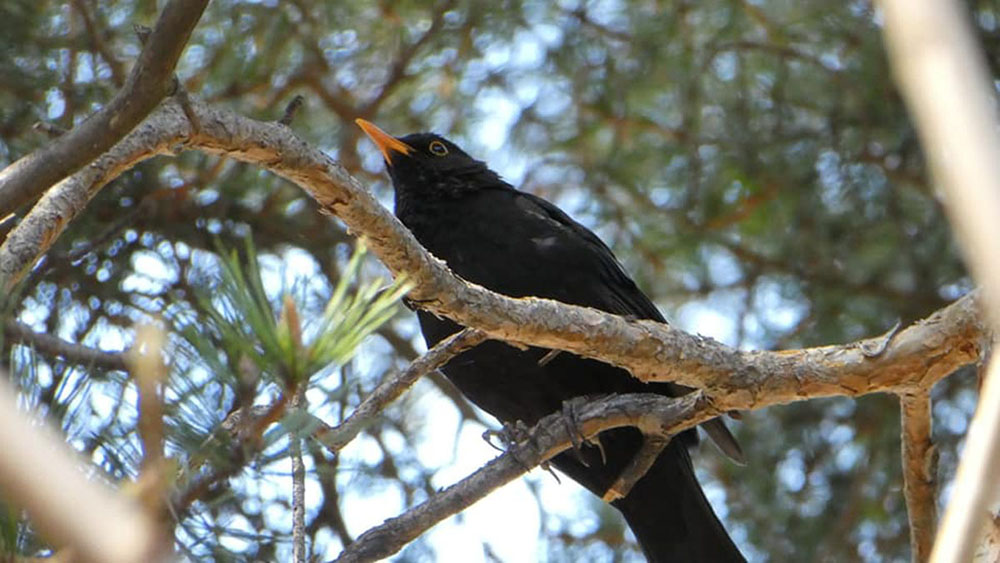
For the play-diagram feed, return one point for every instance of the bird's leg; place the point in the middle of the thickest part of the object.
(652, 446)
(508, 435)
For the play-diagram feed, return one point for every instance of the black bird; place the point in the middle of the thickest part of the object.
(520, 245)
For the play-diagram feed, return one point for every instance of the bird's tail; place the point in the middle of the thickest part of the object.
(671, 517)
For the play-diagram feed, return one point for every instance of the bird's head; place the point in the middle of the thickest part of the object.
(427, 166)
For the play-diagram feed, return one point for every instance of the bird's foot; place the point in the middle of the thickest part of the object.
(572, 422)
(510, 435)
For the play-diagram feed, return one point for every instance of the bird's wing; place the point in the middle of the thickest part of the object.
(625, 298)
(622, 296)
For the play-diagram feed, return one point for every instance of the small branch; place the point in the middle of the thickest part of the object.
(39, 473)
(72, 353)
(247, 426)
(919, 471)
(654, 414)
(291, 109)
(298, 485)
(146, 85)
(336, 438)
(652, 447)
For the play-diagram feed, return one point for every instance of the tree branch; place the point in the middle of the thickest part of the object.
(146, 86)
(919, 471)
(945, 82)
(653, 414)
(299, 554)
(335, 438)
(919, 355)
(69, 351)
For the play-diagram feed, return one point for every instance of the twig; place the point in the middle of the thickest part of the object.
(51, 130)
(145, 87)
(69, 351)
(337, 437)
(944, 80)
(39, 473)
(652, 446)
(298, 485)
(290, 110)
(545, 440)
(919, 471)
(248, 427)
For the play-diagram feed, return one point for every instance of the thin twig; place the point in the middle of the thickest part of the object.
(337, 437)
(248, 430)
(919, 471)
(298, 485)
(290, 110)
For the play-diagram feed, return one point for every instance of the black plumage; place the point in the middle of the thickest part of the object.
(520, 245)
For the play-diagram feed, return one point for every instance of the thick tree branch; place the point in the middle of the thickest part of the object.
(919, 471)
(947, 86)
(146, 86)
(919, 355)
(653, 414)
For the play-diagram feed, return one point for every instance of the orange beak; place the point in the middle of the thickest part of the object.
(384, 141)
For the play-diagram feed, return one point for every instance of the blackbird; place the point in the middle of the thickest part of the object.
(518, 244)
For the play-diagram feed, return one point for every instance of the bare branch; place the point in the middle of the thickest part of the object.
(298, 484)
(945, 82)
(652, 447)
(147, 84)
(39, 473)
(337, 437)
(69, 351)
(919, 355)
(654, 414)
(919, 471)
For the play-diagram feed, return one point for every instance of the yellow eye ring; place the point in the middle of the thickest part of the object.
(437, 148)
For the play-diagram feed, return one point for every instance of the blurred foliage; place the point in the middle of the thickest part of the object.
(749, 160)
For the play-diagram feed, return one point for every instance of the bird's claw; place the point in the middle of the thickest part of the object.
(572, 422)
(510, 435)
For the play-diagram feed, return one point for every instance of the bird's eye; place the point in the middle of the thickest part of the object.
(438, 148)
